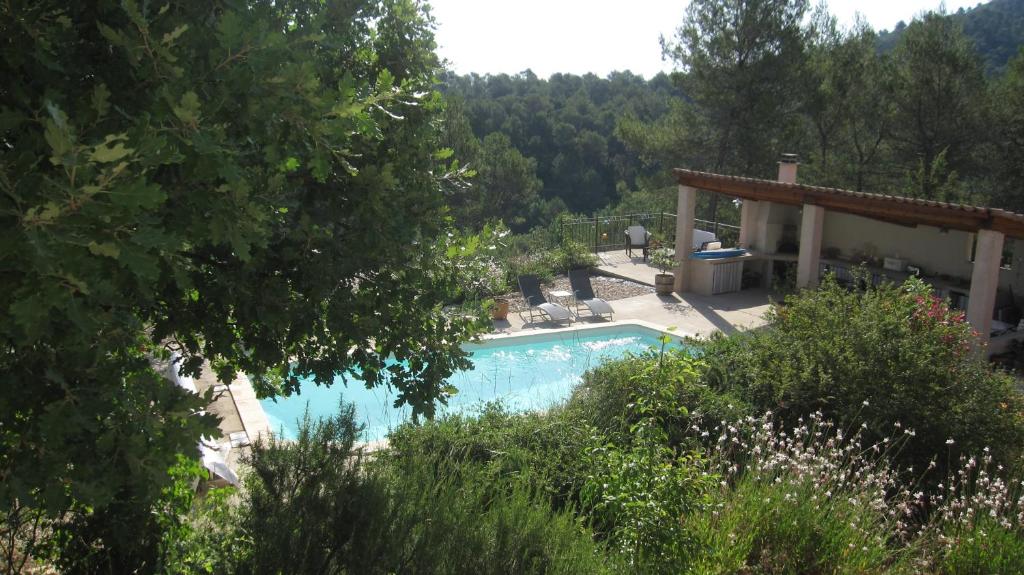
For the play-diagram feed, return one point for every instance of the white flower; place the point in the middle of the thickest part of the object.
(950, 441)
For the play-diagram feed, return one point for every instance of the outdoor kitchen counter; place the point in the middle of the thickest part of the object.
(715, 276)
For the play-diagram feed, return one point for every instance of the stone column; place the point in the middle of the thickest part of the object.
(984, 282)
(810, 246)
(686, 211)
(748, 224)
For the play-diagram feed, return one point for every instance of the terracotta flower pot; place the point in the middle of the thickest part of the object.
(500, 309)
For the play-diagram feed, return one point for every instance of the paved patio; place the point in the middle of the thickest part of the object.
(617, 264)
(689, 314)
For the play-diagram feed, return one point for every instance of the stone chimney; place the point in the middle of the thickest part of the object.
(787, 168)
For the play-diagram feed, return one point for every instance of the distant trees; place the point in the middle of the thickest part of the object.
(938, 92)
(911, 112)
(741, 63)
(1008, 159)
(565, 126)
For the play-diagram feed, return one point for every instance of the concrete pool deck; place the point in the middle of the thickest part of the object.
(690, 314)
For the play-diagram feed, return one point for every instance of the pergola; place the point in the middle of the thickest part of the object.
(991, 225)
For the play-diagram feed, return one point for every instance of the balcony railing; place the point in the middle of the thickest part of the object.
(607, 232)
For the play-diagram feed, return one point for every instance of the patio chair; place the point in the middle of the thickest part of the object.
(583, 292)
(538, 305)
(637, 237)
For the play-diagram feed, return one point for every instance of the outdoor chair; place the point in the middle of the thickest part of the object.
(538, 305)
(637, 237)
(583, 292)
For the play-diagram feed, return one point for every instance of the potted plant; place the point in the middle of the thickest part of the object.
(499, 311)
(664, 282)
(490, 284)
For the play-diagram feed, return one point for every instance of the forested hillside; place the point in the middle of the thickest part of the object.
(996, 28)
(542, 146)
(754, 79)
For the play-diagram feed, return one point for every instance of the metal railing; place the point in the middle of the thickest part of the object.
(608, 232)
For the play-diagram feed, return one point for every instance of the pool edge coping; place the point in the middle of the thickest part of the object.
(585, 327)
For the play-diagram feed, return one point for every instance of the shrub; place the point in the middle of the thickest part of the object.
(208, 539)
(447, 517)
(544, 448)
(638, 493)
(317, 505)
(896, 348)
(306, 500)
(807, 501)
(607, 394)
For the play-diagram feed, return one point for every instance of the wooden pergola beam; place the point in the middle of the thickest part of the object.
(893, 209)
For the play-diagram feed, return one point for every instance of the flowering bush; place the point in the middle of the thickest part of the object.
(819, 498)
(977, 523)
(896, 346)
(812, 498)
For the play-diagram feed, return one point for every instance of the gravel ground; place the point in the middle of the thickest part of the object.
(606, 288)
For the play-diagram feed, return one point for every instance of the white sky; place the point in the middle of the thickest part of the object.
(599, 36)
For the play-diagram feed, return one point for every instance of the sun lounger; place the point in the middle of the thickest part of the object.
(583, 293)
(538, 305)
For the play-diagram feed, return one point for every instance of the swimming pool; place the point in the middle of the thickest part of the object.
(525, 372)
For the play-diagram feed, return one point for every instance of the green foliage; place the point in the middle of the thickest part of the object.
(888, 354)
(213, 543)
(544, 448)
(251, 184)
(808, 498)
(317, 506)
(610, 396)
(848, 106)
(983, 547)
(742, 62)
(994, 27)
(938, 90)
(640, 488)
(304, 499)
(782, 528)
(565, 126)
(1009, 172)
(453, 520)
(864, 111)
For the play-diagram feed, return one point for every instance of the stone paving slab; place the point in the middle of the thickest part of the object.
(618, 264)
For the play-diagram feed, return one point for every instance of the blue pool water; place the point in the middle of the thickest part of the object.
(525, 373)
